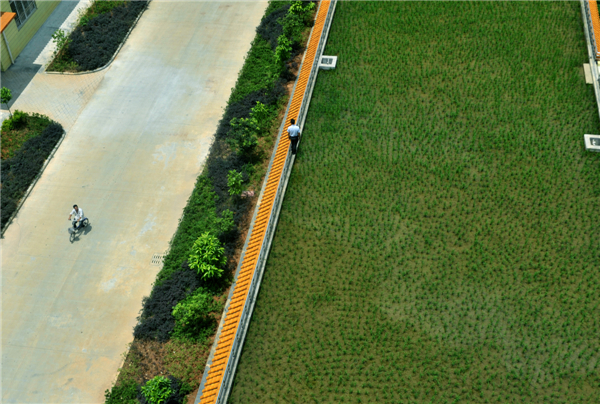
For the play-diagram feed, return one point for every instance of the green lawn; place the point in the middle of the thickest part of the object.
(440, 237)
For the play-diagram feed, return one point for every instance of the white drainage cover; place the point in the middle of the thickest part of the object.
(157, 259)
(328, 62)
(588, 73)
(592, 142)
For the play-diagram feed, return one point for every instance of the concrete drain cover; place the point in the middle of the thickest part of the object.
(328, 62)
(157, 259)
(587, 73)
(592, 142)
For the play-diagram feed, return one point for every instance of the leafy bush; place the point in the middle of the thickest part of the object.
(207, 256)
(18, 119)
(125, 393)
(7, 125)
(302, 9)
(5, 97)
(193, 321)
(262, 115)
(226, 223)
(15, 122)
(163, 390)
(293, 25)
(283, 50)
(18, 172)
(243, 137)
(157, 390)
(235, 180)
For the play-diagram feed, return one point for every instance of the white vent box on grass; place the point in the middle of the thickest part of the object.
(327, 62)
(592, 142)
(588, 73)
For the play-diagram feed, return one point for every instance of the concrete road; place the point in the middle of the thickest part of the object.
(130, 161)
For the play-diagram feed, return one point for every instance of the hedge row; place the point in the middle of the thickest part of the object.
(18, 172)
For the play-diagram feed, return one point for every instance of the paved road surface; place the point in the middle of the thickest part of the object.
(130, 161)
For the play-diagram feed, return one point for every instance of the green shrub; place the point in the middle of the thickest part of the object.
(7, 125)
(244, 135)
(61, 39)
(102, 6)
(192, 316)
(157, 390)
(262, 115)
(283, 50)
(19, 119)
(5, 97)
(293, 25)
(125, 393)
(234, 181)
(301, 8)
(207, 256)
(225, 223)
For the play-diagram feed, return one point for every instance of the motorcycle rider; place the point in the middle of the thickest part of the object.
(77, 214)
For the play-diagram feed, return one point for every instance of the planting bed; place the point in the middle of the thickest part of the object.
(438, 242)
(99, 32)
(26, 144)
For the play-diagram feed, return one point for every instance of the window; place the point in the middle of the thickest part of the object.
(23, 9)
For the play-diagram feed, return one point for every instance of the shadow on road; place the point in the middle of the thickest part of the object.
(74, 235)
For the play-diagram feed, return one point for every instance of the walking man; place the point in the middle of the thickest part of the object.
(294, 134)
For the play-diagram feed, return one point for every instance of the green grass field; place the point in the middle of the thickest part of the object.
(440, 237)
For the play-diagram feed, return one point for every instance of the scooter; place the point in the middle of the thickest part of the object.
(74, 231)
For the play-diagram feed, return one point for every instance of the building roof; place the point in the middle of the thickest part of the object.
(5, 19)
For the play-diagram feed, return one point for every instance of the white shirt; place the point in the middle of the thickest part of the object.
(77, 215)
(294, 131)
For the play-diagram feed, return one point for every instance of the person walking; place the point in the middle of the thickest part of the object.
(294, 135)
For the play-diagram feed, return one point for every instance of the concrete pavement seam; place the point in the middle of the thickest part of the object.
(35, 180)
(113, 56)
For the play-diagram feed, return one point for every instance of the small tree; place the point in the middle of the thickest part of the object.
(6, 96)
(234, 182)
(207, 256)
(61, 39)
(157, 390)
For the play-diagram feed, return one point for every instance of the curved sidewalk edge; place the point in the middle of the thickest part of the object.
(114, 54)
(35, 180)
(219, 373)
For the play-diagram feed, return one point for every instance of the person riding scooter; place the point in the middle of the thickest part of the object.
(78, 217)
